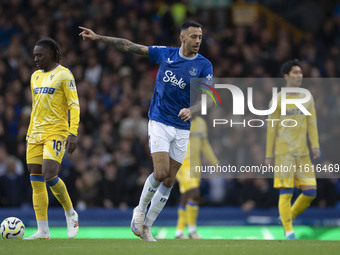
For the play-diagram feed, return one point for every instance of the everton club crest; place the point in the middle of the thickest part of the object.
(193, 71)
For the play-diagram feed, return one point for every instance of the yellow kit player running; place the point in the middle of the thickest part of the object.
(54, 96)
(189, 185)
(289, 147)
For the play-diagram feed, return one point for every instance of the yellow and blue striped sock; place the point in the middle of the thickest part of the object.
(59, 190)
(39, 197)
(192, 214)
(182, 218)
(285, 210)
(302, 202)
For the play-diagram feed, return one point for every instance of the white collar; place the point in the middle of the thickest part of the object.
(187, 58)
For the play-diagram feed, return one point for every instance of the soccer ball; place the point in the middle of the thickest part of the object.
(12, 228)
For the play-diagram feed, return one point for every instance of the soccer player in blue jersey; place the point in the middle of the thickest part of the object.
(169, 114)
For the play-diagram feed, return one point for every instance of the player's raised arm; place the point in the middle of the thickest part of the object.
(120, 44)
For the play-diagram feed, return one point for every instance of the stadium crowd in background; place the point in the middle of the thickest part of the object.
(115, 90)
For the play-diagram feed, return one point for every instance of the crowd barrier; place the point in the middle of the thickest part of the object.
(208, 216)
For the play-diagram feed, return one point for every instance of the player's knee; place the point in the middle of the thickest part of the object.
(161, 174)
(30, 170)
(194, 195)
(34, 169)
(310, 192)
(169, 182)
(47, 176)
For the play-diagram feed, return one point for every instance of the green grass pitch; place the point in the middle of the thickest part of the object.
(167, 247)
(217, 240)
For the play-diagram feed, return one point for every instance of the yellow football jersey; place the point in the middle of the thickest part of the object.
(292, 140)
(54, 95)
(198, 143)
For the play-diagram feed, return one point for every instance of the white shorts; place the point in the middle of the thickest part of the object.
(168, 139)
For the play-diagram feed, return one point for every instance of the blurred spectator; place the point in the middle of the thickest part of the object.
(135, 125)
(261, 195)
(12, 188)
(9, 163)
(111, 188)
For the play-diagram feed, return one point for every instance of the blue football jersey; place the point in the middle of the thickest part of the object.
(172, 87)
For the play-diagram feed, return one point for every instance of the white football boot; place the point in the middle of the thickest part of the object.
(146, 235)
(39, 235)
(137, 222)
(194, 235)
(72, 225)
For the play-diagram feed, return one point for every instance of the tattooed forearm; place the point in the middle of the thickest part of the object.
(124, 45)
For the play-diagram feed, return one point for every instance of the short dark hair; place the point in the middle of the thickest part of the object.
(52, 45)
(189, 23)
(287, 66)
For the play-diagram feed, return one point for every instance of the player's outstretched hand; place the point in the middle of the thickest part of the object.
(71, 143)
(185, 114)
(88, 33)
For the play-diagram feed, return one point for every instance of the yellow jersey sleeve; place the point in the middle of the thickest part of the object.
(72, 102)
(312, 127)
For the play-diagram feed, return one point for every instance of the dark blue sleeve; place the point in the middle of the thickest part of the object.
(157, 53)
(207, 73)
